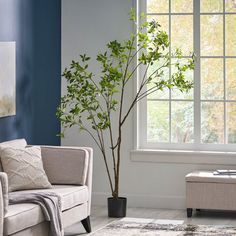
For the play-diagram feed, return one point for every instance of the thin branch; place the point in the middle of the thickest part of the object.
(108, 171)
(105, 160)
(144, 76)
(122, 92)
(136, 96)
(147, 91)
(133, 71)
(146, 94)
(128, 60)
(94, 83)
(112, 148)
(107, 100)
(97, 130)
(131, 106)
(136, 53)
(93, 138)
(164, 65)
(118, 144)
(101, 140)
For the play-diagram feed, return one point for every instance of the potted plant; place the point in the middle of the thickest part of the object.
(91, 100)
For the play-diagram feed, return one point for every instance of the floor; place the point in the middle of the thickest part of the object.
(99, 218)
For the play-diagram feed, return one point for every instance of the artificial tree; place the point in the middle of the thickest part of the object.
(92, 99)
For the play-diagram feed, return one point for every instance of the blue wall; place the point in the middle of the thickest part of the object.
(35, 25)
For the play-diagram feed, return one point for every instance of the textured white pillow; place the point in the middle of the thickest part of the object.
(17, 143)
(24, 168)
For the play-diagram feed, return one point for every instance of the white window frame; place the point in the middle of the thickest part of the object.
(141, 124)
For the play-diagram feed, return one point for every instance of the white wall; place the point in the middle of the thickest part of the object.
(87, 25)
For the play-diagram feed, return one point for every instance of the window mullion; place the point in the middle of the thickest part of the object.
(170, 123)
(197, 72)
(142, 105)
(224, 74)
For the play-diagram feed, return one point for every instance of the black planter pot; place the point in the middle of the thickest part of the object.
(117, 207)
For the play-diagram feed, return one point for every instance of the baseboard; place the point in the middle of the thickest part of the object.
(142, 200)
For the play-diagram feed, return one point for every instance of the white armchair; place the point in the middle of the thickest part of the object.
(69, 169)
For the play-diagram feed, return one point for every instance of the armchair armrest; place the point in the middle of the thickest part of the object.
(3, 198)
(1, 210)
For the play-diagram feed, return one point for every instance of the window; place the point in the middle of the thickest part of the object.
(205, 118)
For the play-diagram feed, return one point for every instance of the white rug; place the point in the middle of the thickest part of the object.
(151, 227)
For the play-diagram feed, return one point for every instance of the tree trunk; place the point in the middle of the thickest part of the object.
(117, 178)
(115, 194)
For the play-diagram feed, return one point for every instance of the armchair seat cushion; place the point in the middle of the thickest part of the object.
(22, 216)
(71, 196)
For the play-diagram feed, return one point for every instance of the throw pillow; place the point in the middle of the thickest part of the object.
(24, 168)
(17, 143)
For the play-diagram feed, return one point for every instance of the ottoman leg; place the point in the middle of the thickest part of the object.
(189, 212)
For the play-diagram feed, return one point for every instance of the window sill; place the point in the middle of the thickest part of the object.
(183, 157)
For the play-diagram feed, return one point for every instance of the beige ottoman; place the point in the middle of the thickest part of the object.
(207, 191)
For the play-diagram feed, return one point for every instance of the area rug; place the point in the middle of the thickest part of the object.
(151, 227)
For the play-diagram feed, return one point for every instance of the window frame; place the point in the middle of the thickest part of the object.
(141, 124)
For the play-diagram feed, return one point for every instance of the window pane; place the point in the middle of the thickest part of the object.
(175, 93)
(212, 81)
(231, 118)
(211, 5)
(230, 39)
(182, 122)
(179, 6)
(151, 86)
(157, 121)
(182, 34)
(157, 6)
(212, 35)
(212, 122)
(231, 79)
(230, 5)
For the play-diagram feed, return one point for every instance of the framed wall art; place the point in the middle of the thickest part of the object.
(7, 79)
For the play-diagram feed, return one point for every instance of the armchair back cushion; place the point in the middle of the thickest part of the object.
(65, 165)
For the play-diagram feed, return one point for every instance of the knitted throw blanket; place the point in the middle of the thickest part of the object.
(50, 204)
